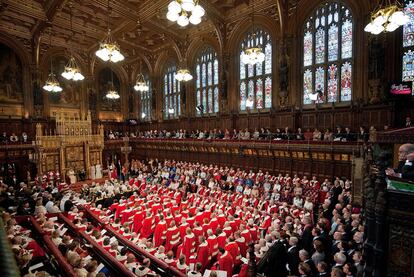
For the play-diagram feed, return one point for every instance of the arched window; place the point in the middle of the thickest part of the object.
(207, 79)
(256, 80)
(328, 54)
(146, 101)
(172, 107)
(408, 44)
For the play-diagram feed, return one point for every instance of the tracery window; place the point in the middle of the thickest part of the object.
(408, 44)
(328, 54)
(255, 87)
(172, 91)
(207, 79)
(146, 101)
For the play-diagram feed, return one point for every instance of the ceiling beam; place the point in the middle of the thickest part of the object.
(51, 7)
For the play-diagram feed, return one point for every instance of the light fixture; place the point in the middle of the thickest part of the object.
(185, 11)
(388, 17)
(72, 71)
(109, 50)
(112, 94)
(51, 84)
(170, 110)
(252, 54)
(143, 115)
(183, 75)
(140, 84)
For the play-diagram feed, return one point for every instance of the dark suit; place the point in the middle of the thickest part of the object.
(307, 239)
(293, 260)
(407, 171)
(273, 264)
(312, 266)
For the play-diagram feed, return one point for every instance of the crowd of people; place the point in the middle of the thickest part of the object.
(198, 217)
(340, 134)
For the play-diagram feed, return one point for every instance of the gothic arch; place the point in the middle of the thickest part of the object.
(358, 8)
(268, 24)
(198, 45)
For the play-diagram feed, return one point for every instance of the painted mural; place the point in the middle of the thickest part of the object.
(105, 78)
(11, 77)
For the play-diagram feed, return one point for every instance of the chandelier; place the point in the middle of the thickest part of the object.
(140, 84)
(51, 84)
(72, 71)
(112, 94)
(109, 50)
(387, 18)
(185, 12)
(183, 75)
(253, 55)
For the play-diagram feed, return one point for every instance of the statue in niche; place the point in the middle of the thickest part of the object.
(11, 77)
(92, 99)
(225, 80)
(283, 78)
(131, 103)
(376, 60)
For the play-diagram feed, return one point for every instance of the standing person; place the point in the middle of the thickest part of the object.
(275, 260)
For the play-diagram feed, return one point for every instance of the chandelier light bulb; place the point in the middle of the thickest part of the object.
(172, 16)
(195, 20)
(379, 20)
(170, 110)
(399, 18)
(187, 5)
(182, 20)
(391, 27)
(377, 29)
(174, 7)
(198, 11)
(143, 115)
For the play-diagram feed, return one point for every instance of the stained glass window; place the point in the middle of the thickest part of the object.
(328, 54)
(146, 101)
(408, 44)
(256, 80)
(172, 107)
(207, 82)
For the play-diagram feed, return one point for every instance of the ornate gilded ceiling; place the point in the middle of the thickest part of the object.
(139, 26)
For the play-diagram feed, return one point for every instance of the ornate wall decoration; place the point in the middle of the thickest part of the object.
(11, 76)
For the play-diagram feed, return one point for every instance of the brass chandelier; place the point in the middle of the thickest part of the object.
(72, 71)
(109, 50)
(51, 84)
(388, 17)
